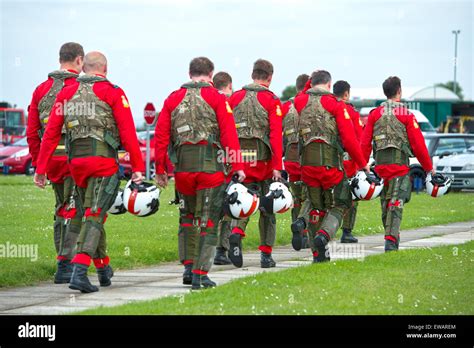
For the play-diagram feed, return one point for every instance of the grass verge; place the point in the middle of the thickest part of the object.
(26, 217)
(416, 281)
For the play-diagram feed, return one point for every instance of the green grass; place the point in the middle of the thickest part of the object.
(26, 215)
(426, 281)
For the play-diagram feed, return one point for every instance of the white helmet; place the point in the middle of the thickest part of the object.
(277, 200)
(240, 201)
(118, 208)
(437, 185)
(366, 186)
(354, 198)
(141, 199)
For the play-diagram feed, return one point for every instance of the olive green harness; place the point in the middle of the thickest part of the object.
(90, 123)
(316, 123)
(192, 122)
(290, 135)
(391, 145)
(47, 102)
(253, 126)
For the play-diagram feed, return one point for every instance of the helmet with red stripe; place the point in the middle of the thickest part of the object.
(437, 185)
(278, 199)
(240, 202)
(118, 208)
(141, 199)
(366, 186)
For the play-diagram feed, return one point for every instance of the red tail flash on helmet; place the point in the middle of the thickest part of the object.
(252, 208)
(282, 210)
(370, 192)
(131, 202)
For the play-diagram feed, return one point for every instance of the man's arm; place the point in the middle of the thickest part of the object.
(52, 135)
(162, 138)
(346, 129)
(356, 122)
(275, 116)
(366, 140)
(228, 133)
(33, 128)
(417, 141)
(126, 126)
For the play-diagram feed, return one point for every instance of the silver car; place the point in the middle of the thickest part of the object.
(460, 168)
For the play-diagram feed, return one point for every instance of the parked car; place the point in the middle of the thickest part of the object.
(16, 158)
(124, 157)
(440, 146)
(460, 168)
(425, 125)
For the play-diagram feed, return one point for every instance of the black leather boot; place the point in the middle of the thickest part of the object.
(188, 274)
(105, 274)
(221, 257)
(235, 250)
(322, 253)
(390, 245)
(202, 281)
(347, 236)
(297, 228)
(79, 280)
(266, 260)
(64, 272)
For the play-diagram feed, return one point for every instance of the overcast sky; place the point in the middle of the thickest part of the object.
(149, 43)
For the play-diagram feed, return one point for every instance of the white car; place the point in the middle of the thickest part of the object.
(441, 146)
(460, 168)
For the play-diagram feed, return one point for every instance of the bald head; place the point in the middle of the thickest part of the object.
(95, 62)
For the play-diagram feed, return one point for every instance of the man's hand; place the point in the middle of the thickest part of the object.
(241, 175)
(276, 175)
(432, 172)
(137, 177)
(366, 168)
(161, 180)
(40, 180)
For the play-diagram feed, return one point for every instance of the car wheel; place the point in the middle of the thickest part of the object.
(29, 169)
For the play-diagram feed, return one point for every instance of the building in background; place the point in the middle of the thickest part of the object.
(435, 102)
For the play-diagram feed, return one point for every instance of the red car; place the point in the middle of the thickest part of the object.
(124, 158)
(16, 158)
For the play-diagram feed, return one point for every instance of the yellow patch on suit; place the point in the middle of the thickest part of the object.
(125, 102)
(227, 106)
(346, 114)
(415, 124)
(278, 111)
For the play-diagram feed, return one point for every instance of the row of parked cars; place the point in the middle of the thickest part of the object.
(16, 158)
(452, 155)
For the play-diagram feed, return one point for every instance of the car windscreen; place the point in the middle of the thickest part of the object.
(451, 146)
(21, 142)
(426, 127)
(470, 144)
(428, 142)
